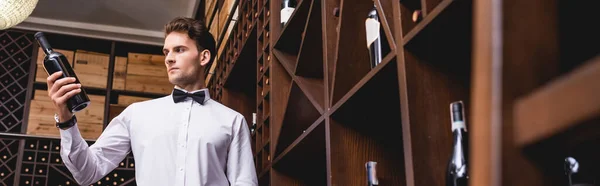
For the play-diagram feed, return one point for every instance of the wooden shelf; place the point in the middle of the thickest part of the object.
(303, 163)
(239, 77)
(314, 90)
(290, 39)
(443, 31)
(291, 34)
(310, 56)
(534, 93)
(264, 178)
(352, 61)
(327, 109)
(387, 61)
(560, 106)
(407, 9)
(287, 60)
(300, 114)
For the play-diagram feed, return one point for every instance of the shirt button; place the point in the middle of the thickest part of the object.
(180, 169)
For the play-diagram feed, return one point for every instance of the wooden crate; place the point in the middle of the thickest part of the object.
(115, 110)
(150, 84)
(147, 73)
(41, 117)
(124, 102)
(120, 73)
(146, 65)
(41, 74)
(147, 59)
(91, 68)
(128, 100)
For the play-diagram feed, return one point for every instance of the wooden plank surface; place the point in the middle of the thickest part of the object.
(148, 84)
(563, 103)
(120, 73)
(145, 59)
(128, 100)
(485, 133)
(91, 68)
(41, 117)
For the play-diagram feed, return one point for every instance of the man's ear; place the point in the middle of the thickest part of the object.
(204, 57)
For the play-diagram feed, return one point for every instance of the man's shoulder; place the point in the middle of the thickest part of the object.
(223, 109)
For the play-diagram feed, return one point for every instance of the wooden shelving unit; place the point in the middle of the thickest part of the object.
(526, 71)
(34, 159)
(535, 88)
(325, 112)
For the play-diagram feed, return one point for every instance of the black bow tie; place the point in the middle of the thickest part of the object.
(179, 96)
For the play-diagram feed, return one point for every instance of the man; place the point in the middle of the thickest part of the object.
(180, 139)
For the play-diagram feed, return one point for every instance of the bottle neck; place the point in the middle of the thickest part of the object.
(459, 159)
(287, 3)
(47, 51)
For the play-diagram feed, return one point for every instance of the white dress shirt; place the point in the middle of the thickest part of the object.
(173, 144)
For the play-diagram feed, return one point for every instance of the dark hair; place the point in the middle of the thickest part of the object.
(197, 31)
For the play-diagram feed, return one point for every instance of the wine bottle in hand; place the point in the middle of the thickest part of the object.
(57, 62)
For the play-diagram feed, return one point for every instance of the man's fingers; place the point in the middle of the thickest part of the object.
(60, 83)
(50, 80)
(64, 89)
(71, 93)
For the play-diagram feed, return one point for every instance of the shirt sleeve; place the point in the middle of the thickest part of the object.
(88, 164)
(240, 163)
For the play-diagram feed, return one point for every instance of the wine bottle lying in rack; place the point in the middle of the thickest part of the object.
(417, 16)
(287, 9)
(457, 173)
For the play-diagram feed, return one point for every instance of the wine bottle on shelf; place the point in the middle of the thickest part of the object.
(371, 173)
(287, 9)
(55, 62)
(372, 26)
(253, 128)
(457, 173)
(417, 16)
(571, 170)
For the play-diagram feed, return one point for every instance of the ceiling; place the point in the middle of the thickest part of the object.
(138, 21)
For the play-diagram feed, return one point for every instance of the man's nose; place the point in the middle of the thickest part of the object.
(169, 58)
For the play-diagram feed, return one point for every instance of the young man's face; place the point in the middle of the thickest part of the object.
(183, 60)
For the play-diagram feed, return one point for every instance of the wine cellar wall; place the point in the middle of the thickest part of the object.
(335, 90)
(342, 83)
(29, 151)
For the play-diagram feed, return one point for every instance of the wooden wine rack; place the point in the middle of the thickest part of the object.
(42, 165)
(35, 160)
(325, 112)
(16, 49)
(535, 92)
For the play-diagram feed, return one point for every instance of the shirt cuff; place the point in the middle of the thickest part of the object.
(71, 134)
